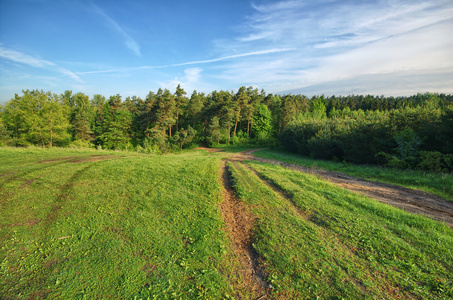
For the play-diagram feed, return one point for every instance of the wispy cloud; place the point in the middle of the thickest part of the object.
(130, 43)
(35, 62)
(340, 39)
(197, 62)
(253, 53)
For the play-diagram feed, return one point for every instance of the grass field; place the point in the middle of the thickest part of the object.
(435, 183)
(81, 224)
(318, 240)
(125, 226)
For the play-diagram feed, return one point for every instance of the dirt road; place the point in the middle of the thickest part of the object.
(410, 200)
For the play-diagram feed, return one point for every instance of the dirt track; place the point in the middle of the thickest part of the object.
(240, 223)
(410, 200)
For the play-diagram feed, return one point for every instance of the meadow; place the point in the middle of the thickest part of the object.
(84, 224)
(440, 184)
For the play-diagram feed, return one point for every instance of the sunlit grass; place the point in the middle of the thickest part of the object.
(128, 226)
(323, 241)
(440, 184)
(93, 224)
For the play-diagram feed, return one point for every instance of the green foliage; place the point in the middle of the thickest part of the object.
(195, 107)
(79, 143)
(5, 134)
(116, 133)
(262, 123)
(394, 138)
(184, 137)
(358, 127)
(158, 139)
(318, 107)
(82, 117)
(214, 133)
(148, 147)
(408, 144)
(436, 161)
(38, 118)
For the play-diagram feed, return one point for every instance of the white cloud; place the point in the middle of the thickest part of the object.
(29, 60)
(191, 80)
(424, 49)
(343, 39)
(192, 75)
(24, 58)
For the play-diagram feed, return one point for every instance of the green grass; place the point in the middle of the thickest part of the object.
(323, 241)
(78, 224)
(435, 183)
(134, 226)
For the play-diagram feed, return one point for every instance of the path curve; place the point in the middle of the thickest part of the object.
(410, 200)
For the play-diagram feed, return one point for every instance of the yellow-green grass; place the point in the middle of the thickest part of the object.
(440, 184)
(318, 240)
(75, 226)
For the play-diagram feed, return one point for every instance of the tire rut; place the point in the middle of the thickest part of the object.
(239, 224)
(410, 200)
(288, 198)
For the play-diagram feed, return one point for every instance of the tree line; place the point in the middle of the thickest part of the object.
(356, 128)
(160, 122)
(416, 132)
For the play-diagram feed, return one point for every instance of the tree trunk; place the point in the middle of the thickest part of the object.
(229, 128)
(248, 129)
(235, 127)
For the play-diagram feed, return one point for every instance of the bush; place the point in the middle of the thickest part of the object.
(393, 138)
(436, 161)
(81, 144)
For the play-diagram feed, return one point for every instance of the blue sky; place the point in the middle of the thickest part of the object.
(131, 47)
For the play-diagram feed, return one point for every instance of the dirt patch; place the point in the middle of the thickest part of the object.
(209, 149)
(26, 183)
(7, 174)
(28, 223)
(57, 159)
(240, 224)
(93, 158)
(78, 159)
(410, 200)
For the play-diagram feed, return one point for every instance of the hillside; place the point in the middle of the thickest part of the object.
(204, 224)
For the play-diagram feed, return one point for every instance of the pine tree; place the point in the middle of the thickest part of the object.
(180, 103)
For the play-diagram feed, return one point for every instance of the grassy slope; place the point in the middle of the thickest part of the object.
(435, 183)
(323, 241)
(150, 226)
(133, 226)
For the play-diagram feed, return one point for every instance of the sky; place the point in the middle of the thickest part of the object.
(131, 47)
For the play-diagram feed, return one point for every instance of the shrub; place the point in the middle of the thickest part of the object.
(436, 161)
(81, 144)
